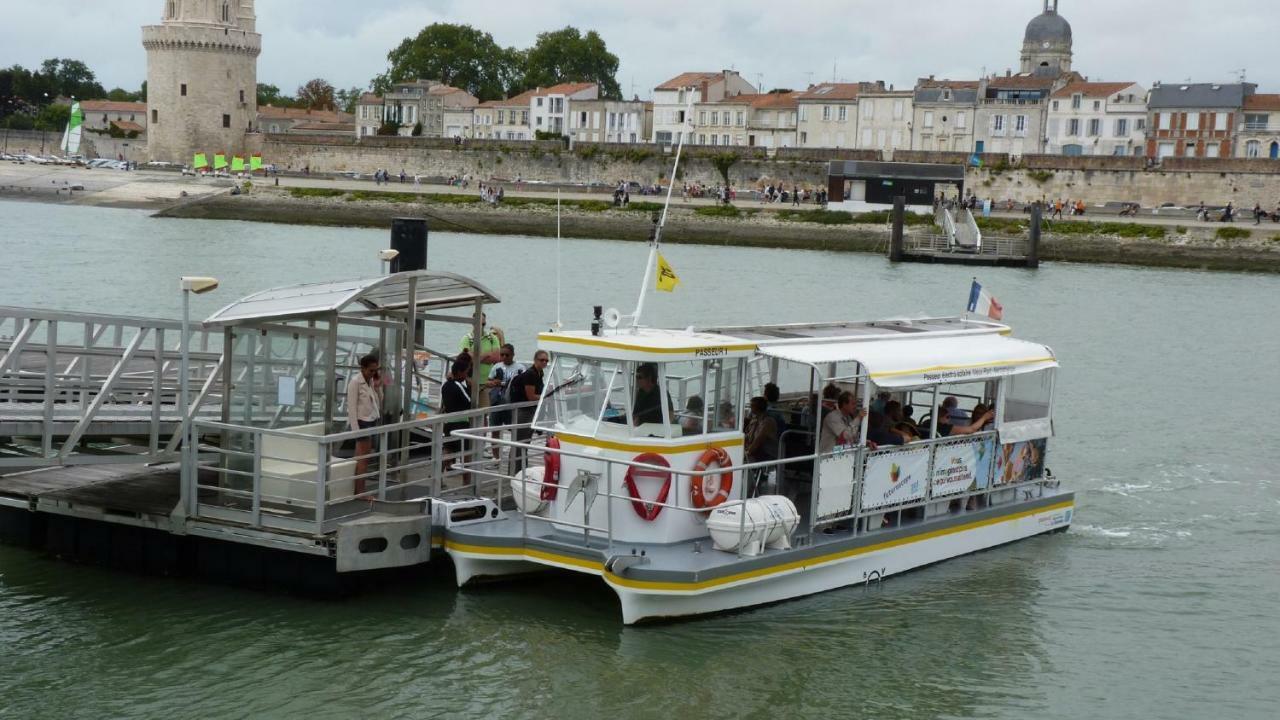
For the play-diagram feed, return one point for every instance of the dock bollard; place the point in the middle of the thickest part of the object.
(1033, 243)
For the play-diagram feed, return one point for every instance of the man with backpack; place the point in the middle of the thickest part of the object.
(499, 384)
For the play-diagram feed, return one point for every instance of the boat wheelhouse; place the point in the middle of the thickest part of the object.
(647, 470)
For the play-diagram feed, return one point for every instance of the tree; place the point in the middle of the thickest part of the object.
(347, 99)
(71, 78)
(457, 55)
(417, 130)
(270, 95)
(317, 94)
(53, 117)
(569, 56)
(389, 127)
(723, 162)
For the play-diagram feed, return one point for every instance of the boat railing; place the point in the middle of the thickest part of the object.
(303, 479)
(864, 514)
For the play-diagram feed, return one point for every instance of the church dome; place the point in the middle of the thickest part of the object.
(1048, 27)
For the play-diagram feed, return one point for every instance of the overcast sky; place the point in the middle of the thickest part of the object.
(787, 41)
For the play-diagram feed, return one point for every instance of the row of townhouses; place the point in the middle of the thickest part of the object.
(1044, 107)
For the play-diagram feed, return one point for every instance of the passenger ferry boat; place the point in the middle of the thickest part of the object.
(650, 486)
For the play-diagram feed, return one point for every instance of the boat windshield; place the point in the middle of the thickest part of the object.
(576, 394)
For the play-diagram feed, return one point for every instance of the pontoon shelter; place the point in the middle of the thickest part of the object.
(862, 186)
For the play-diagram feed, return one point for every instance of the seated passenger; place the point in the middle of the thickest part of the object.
(843, 426)
(898, 422)
(648, 404)
(727, 418)
(948, 427)
(691, 418)
(952, 407)
(762, 441)
(878, 430)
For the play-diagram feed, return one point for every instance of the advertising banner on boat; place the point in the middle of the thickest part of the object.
(1020, 462)
(963, 467)
(895, 478)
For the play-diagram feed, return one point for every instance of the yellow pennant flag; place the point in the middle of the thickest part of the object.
(667, 278)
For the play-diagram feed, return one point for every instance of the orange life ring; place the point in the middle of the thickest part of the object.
(700, 488)
(648, 510)
(551, 474)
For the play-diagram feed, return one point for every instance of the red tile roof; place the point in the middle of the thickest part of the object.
(774, 101)
(1262, 102)
(127, 126)
(370, 99)
(689, 79)
(112, 106)
(1021, 82)
(564, 89)
(836, 91)
(521, 100)
(1093, 89)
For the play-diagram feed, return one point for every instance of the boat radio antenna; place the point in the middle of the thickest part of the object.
(558, 325)
(656, 240)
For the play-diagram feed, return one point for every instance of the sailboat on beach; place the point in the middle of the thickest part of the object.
(71, 136)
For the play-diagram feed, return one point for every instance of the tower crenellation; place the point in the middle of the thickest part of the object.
(202, 78)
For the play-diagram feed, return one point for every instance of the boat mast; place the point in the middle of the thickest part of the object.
(656, 241)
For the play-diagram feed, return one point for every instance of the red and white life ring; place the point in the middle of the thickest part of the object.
(551, 475)
(709, 491)
(648, 510)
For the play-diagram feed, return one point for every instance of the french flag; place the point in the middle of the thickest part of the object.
(982, 303)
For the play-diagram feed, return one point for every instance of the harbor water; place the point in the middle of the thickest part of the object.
(1161, 602)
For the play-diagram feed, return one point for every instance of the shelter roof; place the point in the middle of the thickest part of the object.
(127, 126)
(435, 291)
(281, 113)
(870, 170)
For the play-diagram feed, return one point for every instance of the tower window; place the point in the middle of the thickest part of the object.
(183, 90)
(155, 116)
(226, 121)
(226, 12)
(241, 96)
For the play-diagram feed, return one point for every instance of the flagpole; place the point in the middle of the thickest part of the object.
(657, 232)
(558, 325)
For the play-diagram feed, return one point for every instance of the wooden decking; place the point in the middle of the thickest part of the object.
(111, 489)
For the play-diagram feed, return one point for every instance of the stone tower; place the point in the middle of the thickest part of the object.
(1046, 48)
(202, 78)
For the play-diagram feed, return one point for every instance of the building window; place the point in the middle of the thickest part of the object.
(182, 90)
(1075, 102)
(1253, 149)
(960, 120)
(226, 121)
(1095, 127)
(1097, 105)
(226, 12)
(155, 116)
(172, 11)
(1220, 121)
(538, 102)
(844, 113)
(715, 117)
(1164, 120)
(928, 118)
(1073, 127)
(742, 118)
(997, 123)
(1122, 127)
(1020, 124)
(1193, 121)
(1140, 124)
(1055, 105)
(242, 97)
(897, 109)
(826, 113)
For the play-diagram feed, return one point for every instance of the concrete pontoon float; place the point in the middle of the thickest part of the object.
(651, 488)
(254, 479)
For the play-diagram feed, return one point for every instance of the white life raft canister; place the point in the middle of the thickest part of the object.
(528, 495)
(768, 522)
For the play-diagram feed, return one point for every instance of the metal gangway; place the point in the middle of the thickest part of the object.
(960, 228)
(85, 388)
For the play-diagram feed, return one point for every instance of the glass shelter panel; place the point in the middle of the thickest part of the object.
(576, 395)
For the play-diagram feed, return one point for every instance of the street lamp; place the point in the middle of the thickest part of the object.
(386, 256)
(198, 286)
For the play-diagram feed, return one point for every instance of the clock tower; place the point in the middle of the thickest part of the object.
(1046, 47)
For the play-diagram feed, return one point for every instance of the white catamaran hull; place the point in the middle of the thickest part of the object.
(791, 574)
(870, 564)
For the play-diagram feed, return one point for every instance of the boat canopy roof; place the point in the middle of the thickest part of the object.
(435, 291)
(647, 345)
(913, 361)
